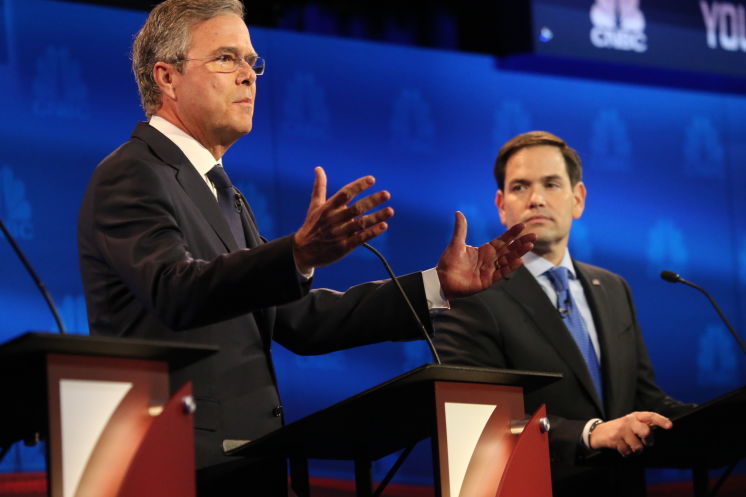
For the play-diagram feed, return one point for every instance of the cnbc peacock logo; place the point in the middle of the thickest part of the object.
(618, 25)
(15, 209)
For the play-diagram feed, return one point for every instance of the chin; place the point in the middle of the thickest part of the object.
(243, 128)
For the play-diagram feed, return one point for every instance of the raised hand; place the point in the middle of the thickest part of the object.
(464, 270)
(333, 228)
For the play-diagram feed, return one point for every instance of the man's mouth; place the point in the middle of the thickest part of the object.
(536, 218)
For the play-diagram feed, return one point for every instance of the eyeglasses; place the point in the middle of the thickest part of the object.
(230, 63)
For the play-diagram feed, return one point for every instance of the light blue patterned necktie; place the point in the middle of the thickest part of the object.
(559, 276)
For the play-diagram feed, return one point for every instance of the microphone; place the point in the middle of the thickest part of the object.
(237, 201)
(434, 352)
(35, 277)
(672, 277)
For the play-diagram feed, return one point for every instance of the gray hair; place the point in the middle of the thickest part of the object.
(166, 36)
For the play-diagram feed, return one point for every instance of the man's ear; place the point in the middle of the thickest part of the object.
(166, 76)
(499, 199)
(579, 193)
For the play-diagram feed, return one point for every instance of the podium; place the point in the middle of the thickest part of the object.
(482, 445)
(710, 436)
(102, 404)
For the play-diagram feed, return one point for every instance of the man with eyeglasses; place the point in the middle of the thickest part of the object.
(170, 250)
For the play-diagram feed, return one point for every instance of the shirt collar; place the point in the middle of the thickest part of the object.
(537, 265)
(198, 155)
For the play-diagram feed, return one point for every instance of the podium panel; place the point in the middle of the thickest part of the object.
(474, 439)
(103, 406)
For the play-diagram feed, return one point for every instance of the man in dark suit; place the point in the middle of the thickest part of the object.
(170, 250)
(608, 398)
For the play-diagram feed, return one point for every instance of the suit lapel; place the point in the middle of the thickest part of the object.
(527, 292)
(189, 179)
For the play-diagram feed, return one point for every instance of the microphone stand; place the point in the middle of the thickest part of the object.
(672, 277)
(423, 330)
(34, 276)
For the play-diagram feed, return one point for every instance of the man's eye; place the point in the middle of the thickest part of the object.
(517, 188)
(225, 58)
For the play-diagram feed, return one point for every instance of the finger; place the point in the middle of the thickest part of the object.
(503, 244)
(459, 230)
(512, 233)
(520, 246)
(318, 195)
(363, 222)
(653, 419)
(351, 190)
(510, 265)
(641, 430)
(524, 244)
(360, 207)
(367, 234)
(633, 443)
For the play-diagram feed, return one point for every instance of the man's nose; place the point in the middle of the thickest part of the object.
(536, 198)
(246, 74)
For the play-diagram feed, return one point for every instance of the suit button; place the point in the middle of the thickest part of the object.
(277, 411)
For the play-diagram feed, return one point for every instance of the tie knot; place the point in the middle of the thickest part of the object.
(219, 177)
(559, 276)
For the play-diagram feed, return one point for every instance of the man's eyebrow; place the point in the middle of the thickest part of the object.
(550, 177)
(235, 51)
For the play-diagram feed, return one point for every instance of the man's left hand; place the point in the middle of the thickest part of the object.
(464, 270)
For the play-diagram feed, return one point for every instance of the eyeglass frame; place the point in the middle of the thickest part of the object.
(259, 66)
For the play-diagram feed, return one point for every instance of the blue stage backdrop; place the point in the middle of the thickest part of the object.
(663, 170)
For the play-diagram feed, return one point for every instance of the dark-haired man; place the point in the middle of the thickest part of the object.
(558, 314)
(170, 250)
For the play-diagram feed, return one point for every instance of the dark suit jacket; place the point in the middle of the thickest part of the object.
(158, 261)
(514, 325)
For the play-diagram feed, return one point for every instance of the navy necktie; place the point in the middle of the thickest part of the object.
(229, 202)
(559, 276)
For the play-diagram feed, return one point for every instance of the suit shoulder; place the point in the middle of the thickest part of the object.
(133, 151)
(592, 272)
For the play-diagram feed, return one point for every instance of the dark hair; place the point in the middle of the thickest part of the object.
(533, 139)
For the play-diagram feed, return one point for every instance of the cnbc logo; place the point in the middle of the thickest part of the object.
(618, 25)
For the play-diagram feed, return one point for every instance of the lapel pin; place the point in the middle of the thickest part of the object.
(595, 282)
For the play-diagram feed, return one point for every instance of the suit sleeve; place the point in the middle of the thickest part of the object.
(469, 335)
(327, 320)
(129, 222)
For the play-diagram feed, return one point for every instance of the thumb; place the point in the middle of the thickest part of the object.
(459, 230)
(318, 195)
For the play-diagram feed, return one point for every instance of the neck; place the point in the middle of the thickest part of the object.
(213, 145)
(554, 253)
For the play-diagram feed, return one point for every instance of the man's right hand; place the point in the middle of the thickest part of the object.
(332, 228)
(628, 434)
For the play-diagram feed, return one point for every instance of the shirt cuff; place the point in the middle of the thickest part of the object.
(436, 300)
(304, 277)
(586, 436)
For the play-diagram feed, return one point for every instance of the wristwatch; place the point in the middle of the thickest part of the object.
(591, 428)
